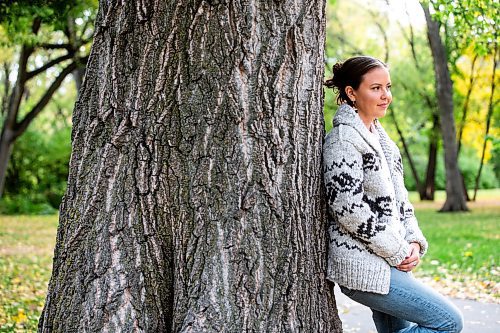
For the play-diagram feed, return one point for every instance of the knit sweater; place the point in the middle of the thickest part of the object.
(370, 220)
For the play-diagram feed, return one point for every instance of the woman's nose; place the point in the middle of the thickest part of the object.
(386, 93)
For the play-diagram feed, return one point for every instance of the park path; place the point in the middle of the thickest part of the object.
(479, 317)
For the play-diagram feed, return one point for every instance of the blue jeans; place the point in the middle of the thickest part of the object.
(410, 306)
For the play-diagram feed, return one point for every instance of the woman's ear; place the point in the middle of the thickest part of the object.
(350, 93)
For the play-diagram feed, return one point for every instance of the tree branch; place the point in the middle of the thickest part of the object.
(19, 86)
(48, 65)
(382, 31)
(406, 149)
(85, 25)
(411, 40)
(37, 22)
(348, 43)
(23, 125)
(55, 46)
(465, 108)
(6, 88)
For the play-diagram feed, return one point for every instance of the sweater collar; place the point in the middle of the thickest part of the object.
(346, 115)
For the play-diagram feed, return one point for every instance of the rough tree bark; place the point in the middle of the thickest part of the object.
(194, 200)
(455, 195)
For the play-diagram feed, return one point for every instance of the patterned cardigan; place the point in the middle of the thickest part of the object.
(370, 220)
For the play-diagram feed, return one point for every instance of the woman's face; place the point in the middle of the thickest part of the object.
(373, 95)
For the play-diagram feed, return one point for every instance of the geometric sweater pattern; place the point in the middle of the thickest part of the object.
(371, 222)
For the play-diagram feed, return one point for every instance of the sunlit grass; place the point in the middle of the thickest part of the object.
(482, 195)
(463, 249)
(26, 249)
(465, 241)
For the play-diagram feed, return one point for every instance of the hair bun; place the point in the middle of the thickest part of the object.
(337, 68)
(335, 81)
(330, 83)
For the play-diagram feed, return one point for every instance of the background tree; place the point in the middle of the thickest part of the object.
(48, 42)
(465, 24)
(414, 79)
(455, 194)
(194, 201)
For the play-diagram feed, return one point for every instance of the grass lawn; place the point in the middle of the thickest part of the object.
(468, 241)
(26, 250)
(462, 261)
(463, 258)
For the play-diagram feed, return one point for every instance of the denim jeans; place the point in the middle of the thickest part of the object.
(410, 307)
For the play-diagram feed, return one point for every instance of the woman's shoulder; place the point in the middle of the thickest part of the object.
(343, 136)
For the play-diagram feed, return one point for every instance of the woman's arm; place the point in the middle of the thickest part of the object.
(410, 223)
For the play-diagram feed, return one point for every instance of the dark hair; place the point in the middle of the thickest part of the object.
(350, 73)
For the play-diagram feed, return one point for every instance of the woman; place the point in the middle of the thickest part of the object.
(375, 241)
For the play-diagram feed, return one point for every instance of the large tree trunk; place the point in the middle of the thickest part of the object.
(195, 199)
(455, 196)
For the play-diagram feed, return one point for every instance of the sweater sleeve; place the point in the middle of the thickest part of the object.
(413, 232)
(349, 206)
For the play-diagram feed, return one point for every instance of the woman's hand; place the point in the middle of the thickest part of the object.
(412, 260)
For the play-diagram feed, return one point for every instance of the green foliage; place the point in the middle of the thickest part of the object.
(330, 108)
(470, 22)
(37, 173)
(469, 164)
(34, 204)
(17, 17)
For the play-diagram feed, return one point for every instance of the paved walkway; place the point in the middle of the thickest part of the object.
(479, 317)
